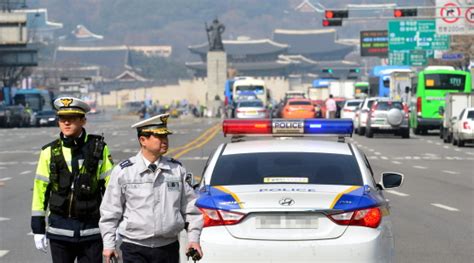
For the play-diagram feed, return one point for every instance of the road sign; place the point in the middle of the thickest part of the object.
(454, 17)
(409, 57)
(415, 35)
(452, 56)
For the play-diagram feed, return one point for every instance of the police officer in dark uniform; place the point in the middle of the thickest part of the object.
(70, 180)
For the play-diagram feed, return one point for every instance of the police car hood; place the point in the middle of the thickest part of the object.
(289, 211)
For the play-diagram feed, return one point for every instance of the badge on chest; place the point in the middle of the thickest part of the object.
(172, 183)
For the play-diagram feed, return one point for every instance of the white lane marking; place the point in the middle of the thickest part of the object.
(429, 141)
(416, 158)
(446, 147)
(5, 179)
(438, 143)
(430, 154)
(4, 219)
(449, 158)
(445, 207)
(470, 153)
(383, 158)
(372, 150)
(26, 172)
(377, 153)
(3, 252)
(419, 167)
(450, 172)
(457, 150)
(397, 193)
(132, 140)
(396, 162)
(127, 150)
(373, 157)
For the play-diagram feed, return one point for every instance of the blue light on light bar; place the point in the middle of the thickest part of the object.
(324, 126)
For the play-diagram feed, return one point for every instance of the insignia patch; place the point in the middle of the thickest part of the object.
(175, 161)
(66, 102)
(125, 164)
(164, 119)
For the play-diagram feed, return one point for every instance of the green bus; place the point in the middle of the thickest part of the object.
(429, 89)
(361, 89)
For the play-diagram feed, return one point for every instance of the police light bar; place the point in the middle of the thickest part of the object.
(288, 127)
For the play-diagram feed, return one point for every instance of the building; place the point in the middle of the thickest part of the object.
(290, 52)
(40, 29)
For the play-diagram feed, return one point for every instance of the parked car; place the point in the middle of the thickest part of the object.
(388, 116)
(463, 127)
(44, 118)
(299, 109)
(5, 116)
(251, 109)
(349, 107)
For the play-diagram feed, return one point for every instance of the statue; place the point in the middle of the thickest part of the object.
(214, 33)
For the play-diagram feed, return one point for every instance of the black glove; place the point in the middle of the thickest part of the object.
(193, 254)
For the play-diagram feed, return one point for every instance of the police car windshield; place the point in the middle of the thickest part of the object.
(308, 168)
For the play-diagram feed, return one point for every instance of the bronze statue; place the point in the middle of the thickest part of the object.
(214, 33)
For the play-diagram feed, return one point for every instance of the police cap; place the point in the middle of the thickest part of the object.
(153, 125)
(71, 106)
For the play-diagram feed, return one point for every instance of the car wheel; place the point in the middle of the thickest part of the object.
(417, 131)
(455, 142)
(405, 133)
(450, 138)
(369, 133)
(460, 143)
(361, 131)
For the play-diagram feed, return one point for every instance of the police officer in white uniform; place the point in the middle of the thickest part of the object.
(148, 202)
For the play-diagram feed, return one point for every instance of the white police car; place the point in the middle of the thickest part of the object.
(297, 200)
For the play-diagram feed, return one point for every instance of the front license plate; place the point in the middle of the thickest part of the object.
(286, 222)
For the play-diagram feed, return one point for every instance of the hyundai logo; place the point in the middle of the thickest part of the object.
(286, 201)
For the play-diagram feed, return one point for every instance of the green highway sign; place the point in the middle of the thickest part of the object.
(415, 35)
(410, 57)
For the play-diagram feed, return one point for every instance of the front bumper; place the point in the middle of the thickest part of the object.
(357, 244)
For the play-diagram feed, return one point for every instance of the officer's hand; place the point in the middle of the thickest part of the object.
(108, 254)
(195, 246)
(41, 242)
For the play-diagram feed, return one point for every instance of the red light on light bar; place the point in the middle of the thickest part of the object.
(233, 126)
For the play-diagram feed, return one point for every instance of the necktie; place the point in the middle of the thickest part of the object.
(152, 167)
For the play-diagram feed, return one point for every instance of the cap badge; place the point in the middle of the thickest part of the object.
(164, 118)
(66, 102)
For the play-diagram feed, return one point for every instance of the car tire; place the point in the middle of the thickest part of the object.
(417, 131)
(461, 143)
(369, 133)
(449, 138)
(455, 142)
(361, 131)
(405, 133)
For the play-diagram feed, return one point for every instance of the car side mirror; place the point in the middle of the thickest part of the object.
(191, 180)
(391, 180)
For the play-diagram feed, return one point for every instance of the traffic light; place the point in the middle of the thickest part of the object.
(332, 22)
(403, 12)
(354, 70)
(327, 70)
(331, 14)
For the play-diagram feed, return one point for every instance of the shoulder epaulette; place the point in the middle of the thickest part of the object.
(125, 164)
(49, 144)
(175, 161)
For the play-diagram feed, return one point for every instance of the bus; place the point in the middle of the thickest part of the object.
(429, 90)
(361, 89)
(249, 84)
(379, 81)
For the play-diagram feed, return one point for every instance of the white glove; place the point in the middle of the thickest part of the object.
(41, 242)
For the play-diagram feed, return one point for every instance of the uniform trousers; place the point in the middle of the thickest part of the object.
(132, 253)
(85, 252)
